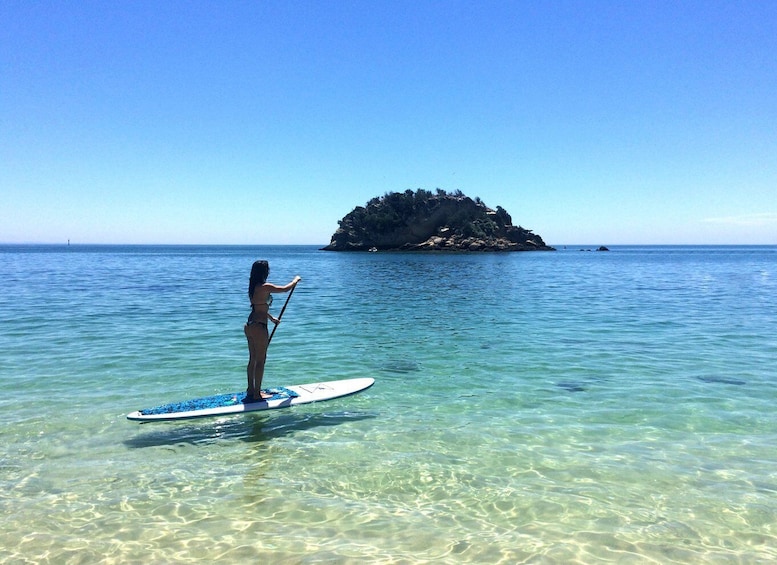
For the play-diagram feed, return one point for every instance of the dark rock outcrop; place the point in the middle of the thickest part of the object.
(426, 221)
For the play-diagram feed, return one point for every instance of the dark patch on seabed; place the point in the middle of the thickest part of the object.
(722, 380)
(571, 386)
(401, 366)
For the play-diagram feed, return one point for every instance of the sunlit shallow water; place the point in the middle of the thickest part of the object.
(541, 407)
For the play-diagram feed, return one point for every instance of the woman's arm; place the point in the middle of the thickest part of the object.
(275, 288)
(269, 287)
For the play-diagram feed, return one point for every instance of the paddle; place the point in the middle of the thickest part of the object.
(281, 314)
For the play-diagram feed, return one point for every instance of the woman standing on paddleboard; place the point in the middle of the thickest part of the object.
(260, 295)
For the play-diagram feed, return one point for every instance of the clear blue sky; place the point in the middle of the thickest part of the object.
(596, 122)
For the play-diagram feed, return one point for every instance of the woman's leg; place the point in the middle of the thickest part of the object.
(251, 363)
(261, 358)
(257, 355)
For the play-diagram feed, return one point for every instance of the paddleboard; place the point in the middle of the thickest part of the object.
(234, 403)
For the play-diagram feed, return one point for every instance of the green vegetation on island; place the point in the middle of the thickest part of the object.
(431, 221)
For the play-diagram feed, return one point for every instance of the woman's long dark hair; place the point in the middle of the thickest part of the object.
(259, 272)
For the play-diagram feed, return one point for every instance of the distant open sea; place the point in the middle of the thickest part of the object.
(559, 407)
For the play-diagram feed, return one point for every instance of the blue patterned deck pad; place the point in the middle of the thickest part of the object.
(216, 401)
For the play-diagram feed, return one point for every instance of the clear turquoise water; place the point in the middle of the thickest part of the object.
(565, 407)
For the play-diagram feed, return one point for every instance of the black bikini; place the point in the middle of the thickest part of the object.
(251, 321)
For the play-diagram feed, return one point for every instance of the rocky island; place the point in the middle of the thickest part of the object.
(426, 221)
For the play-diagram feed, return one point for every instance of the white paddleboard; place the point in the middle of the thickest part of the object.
(234, 403)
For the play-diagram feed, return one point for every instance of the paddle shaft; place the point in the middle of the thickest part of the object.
(281, 314)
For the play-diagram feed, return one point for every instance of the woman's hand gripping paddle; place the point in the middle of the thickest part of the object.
(281, 314)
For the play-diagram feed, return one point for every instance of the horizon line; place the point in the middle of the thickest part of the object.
(555, 245)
